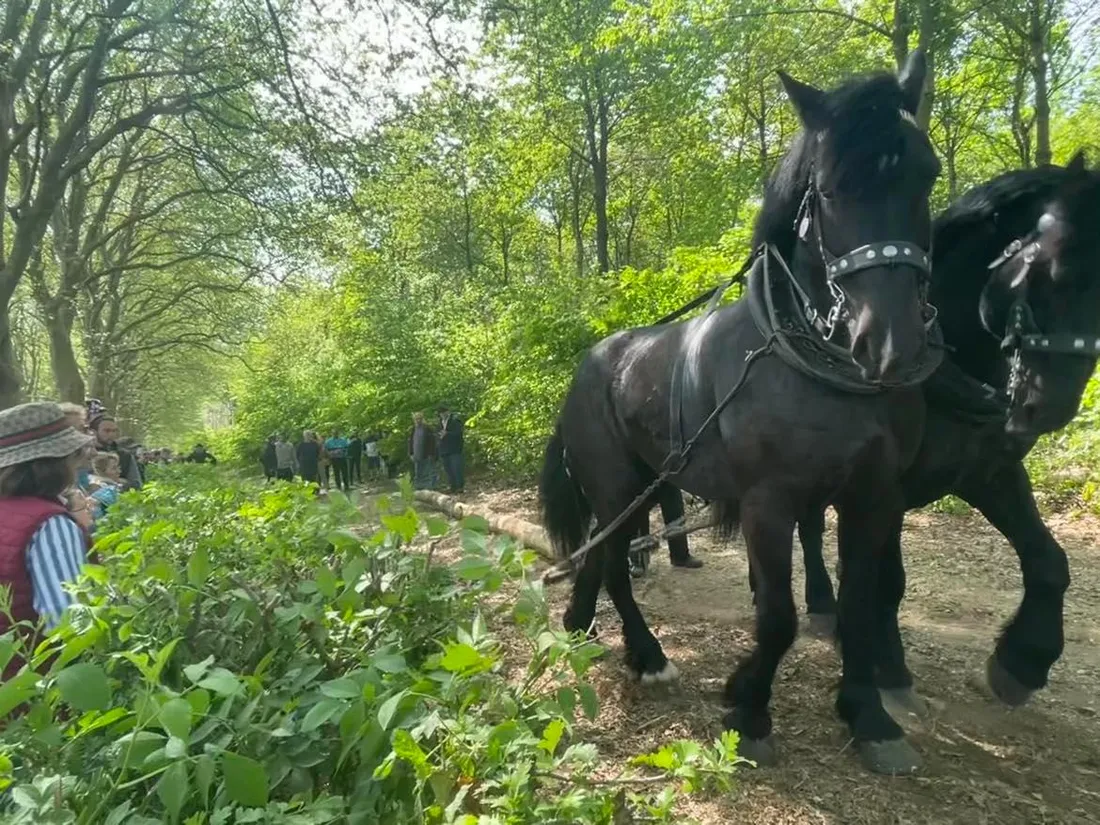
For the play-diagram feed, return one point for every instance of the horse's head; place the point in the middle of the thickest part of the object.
(1043, 298)
(864, 220)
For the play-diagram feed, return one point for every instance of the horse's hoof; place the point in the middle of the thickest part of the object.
(1004, 685)
(665, 676)
(891, 757)
(761, 751)
(904, 705)
(822, 625)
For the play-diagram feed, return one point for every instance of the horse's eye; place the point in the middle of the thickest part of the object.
(827, 194)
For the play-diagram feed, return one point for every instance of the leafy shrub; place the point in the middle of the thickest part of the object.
(242, 655)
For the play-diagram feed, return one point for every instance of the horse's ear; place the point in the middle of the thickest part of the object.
(808, 101)
(1077, 163)
(911, 79)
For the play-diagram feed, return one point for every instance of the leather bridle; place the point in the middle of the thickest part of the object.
(840, 267)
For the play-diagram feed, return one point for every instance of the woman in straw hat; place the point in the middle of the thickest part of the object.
(41, 544)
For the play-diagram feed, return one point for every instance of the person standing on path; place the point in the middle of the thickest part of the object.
(451, 433)
(355, 459)
(269, 459)
(309, 458)
(422, 452)
(374, 458)
(337, 448)
(286, 463)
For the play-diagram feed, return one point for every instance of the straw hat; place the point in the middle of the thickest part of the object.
(33, 431)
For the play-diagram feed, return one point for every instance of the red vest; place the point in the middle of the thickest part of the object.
(20, 519)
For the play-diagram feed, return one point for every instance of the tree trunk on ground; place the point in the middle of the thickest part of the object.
(531, 535)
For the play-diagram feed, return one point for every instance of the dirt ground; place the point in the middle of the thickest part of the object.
(983, 763)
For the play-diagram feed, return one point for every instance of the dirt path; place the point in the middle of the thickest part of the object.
(983, 763)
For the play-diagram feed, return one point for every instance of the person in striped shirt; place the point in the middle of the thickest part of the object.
(42, 545)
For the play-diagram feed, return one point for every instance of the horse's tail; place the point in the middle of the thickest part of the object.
(726, 517)
(566, 513)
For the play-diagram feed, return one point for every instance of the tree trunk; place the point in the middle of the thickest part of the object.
(66, 370)
(596, 141)
(577, 224)
(926, 28)
(1037, 39)
(600, 191)
(531, 535)
(11, 382)
(899, 39)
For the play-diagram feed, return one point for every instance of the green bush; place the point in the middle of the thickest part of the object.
(240, 654)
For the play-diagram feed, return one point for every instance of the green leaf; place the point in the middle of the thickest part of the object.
(119, 814)
(222, 682)
(343, 539)
(475, 523)
(389, 708)
(245, 780)
(322, 712)
(175, 718)
(405, 747)
(326, 582)
(589, 700)
(198, 670)
(176, 748)
(204, 776)
(552, 736)
(436, 526)
(173, 789)
(405, 525)
(134, 748)
(198, 567)
(568, 700)
(473, 568)
(7, 650)
(17, 690)
(85, 687)
(389, 662)
(460, 657)
(199, 700)
(342, 689)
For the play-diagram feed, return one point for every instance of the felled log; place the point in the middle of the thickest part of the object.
(530, 535)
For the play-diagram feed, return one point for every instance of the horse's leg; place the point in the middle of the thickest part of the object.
(866, 525)
(769, 536)
(581, 612)
(820, 602)
(1033, 640)
(892, 675)
(644, 655)
(672, 508)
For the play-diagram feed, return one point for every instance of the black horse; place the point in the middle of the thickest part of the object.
(1031, 331)
(785, 422)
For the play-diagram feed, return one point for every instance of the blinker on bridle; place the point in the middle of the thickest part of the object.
(1022, 333)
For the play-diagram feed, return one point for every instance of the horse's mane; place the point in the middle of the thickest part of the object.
(998, 200)
(863, 114)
